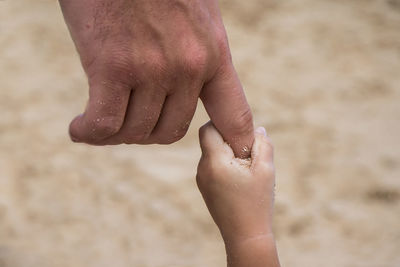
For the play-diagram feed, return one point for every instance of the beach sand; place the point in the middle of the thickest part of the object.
(322, 76)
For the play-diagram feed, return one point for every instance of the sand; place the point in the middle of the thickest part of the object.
(322, 76)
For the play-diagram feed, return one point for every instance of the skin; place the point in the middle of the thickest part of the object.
(147, 63)
(240, 196)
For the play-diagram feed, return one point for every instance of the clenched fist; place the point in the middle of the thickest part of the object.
(147, 62)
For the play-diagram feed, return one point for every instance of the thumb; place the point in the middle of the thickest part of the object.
(226, 104)
(104, 114)
(211, 142)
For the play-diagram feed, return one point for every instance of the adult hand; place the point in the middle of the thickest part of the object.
(147, 62)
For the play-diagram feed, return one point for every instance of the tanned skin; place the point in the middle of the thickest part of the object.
(147, 63)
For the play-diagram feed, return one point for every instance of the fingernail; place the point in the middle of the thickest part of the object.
(261, 130)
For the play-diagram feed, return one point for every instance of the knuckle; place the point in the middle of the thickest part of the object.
(221, 37)
(223, 45)
(117, 67)
(119, 62)
(195, 61)
(155, 65)
(156, 62)
(119, 74)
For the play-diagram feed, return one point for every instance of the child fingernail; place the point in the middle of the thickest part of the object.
(261, 130)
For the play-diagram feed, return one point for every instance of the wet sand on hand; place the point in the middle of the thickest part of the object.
(322, 76)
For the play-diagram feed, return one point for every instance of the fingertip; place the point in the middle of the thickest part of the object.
(202, 131)
(261, 131)
(74, 129)
(208, 136)
(211, 141)
(262, 147)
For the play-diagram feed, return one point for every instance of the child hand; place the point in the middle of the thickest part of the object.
(239, 195)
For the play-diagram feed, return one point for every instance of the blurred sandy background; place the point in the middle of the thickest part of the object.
(322, 76)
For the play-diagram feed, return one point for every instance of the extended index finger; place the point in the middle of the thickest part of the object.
(226, 104)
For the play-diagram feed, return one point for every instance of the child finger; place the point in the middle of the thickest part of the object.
(262, 151)
(212, 143)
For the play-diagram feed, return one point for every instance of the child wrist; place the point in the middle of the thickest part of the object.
(241, 239)
(262, 247)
